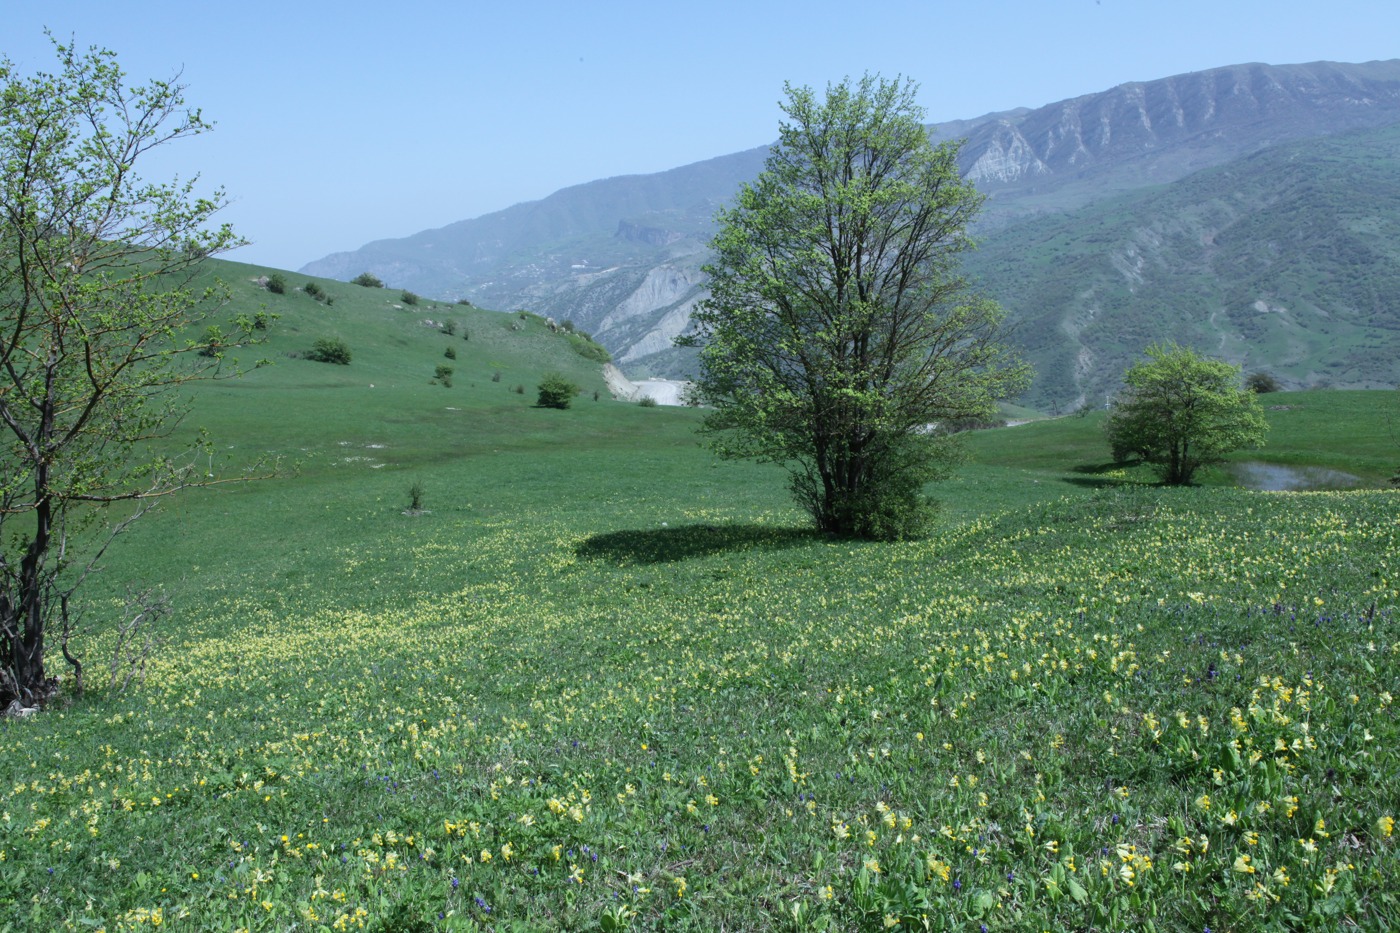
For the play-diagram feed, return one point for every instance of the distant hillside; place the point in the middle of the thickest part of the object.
(621, 257)
(1287, 261)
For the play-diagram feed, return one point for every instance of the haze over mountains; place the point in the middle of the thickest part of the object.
(1251, 211)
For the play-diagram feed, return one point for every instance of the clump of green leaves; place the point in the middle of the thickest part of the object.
(1180, 411)
(276, 284)
(443, 375)
(330, 350)
(408, 298)
(556, 391)
(367, 280)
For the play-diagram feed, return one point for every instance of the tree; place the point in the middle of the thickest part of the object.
(556, 391)
(97, 294)
(1180, 411)
(367, 280)
(838, 335)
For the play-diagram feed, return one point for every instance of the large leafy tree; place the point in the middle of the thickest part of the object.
(96, 297)
(839, 338)
(1180, 411)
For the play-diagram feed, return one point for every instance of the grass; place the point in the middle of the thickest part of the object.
(603, 681)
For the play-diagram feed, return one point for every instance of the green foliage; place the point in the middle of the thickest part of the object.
(443, 375)
(276, 283)
(96, 270)
(1180, 412)
(646, 401)
(556, 391)
(213, 341)
(838, 329)
(408, 298)
(449, 328)
(415, 496)
(330, 350)
(450, 353)
(315, 291)
(367, 280)
(1262, 382)
(585, 347)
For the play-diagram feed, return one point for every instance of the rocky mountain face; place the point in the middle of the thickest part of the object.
(621, 257)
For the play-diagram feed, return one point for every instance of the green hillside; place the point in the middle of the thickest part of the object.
(1284, 262)
(604, 681)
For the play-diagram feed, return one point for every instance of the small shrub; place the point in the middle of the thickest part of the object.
(646, 401)
(464, 301)
(443, 374)
(408, 298)
(415, 497)
(367, 280)
(519, 390)
(330, 350)
(450, 353)
(449, 328)
(276, 284)
(314, 290)
(1262, 382)
(496, 376)
(556, 391)
(567, 327)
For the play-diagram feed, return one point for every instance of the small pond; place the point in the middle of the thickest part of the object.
(1275, 477)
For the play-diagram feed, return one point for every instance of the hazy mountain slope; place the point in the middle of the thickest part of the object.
(1142, 133)
(621, 257)
(1288, 260)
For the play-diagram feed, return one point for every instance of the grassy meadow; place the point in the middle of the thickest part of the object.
(606, 682)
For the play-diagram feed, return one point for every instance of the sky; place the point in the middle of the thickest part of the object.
(342, 123)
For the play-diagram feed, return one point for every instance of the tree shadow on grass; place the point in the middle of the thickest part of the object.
(1098, 475)
(666, 545)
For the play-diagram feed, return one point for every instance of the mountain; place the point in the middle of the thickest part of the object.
(621, 257)
(1286, 261)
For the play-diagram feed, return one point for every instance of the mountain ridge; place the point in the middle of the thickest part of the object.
(621, 257)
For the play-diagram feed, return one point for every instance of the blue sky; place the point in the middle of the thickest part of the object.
(341, 123)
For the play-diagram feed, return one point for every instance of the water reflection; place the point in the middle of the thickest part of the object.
(1275, 477)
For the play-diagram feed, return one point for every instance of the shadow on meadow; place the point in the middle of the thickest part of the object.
(666, 545)
(1097, 475)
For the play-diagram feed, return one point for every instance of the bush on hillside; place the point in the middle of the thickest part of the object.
(556, 391)
(443, 375)
(408, 298)
(330, 350)
(367, 280)
(450, 353)
(314, 290)
(586, 348)
(646, 401)
(276, 283)
(449, 328)
(1262, 382)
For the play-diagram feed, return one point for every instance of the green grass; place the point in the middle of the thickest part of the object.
(607, 682)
